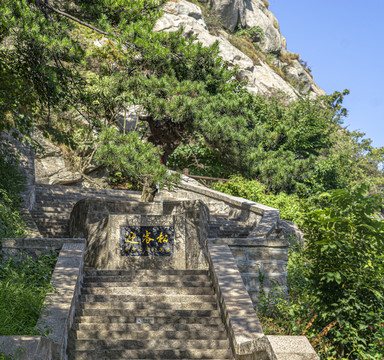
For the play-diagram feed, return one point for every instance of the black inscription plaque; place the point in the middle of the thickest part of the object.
(147, 240)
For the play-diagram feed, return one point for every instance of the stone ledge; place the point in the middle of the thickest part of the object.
(242, 324)
(46, 243)
(251, 242)
(58, 315)
(25, 347)
(270, 216)
(291, 348)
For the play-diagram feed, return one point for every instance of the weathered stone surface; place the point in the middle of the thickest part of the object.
(242, 323)
(248, 14)
(100, 221)
(292, 232)
(95, 177)
(50, 165)
(291, 348)
(261, 78)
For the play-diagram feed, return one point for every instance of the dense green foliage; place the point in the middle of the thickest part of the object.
(75, 70)
(336, 282)
(23, 287)
(345, 250)
(290, 206)
(11, 183)
(298, 147)
(88, 69)
(133, 159)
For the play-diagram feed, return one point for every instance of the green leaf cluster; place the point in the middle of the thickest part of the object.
(255, 33)
(11, 184)
(133, 158)
(23, 286)
(290, 206)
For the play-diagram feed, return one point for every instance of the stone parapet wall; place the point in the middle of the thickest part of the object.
(245, 332)
(100, 222)
(262, 263)
(263, 252)
(59, 307)
(26, 155)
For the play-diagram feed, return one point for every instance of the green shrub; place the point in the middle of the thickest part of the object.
(290, 206)
(198, 158)
(335, 283)
(11, 183)
(129, 158)
(255, 33)
(23, 287)
(345, 251)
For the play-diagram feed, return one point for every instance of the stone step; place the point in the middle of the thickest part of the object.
(148, 313)
(55, 234)
(250, 241)
(52, 210)
(228, 234)
(152, 273)
(152, 344)
(219, 227)
(73, 199)
(53, 228)
(227, 223)
(151, 354)
(43, 198)
(158, 320)
(146, 298)
(54, 189)
(134, 306)
(219, 217)
(142, 291)
(132, 277)
(204, 334)
(132, 328)
(136, 282)
(82, 195)
(50, 220)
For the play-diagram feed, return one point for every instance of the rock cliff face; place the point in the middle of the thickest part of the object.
(265, 77)
(248, 14)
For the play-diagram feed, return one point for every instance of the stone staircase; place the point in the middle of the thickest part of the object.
(220, 226)
(54, 204)
(147, 314)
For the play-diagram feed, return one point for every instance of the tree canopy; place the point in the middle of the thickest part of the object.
(72, 68)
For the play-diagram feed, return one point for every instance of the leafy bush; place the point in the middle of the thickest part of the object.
(290, 206)
(23, 287)
(345, 251)
(129, 157)
(336, 282)
(11, 183)
(198, 158)
(256, 33)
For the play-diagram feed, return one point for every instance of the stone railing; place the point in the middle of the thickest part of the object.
(259, 253)
(263, 218)
(245, 332)
(59, 307)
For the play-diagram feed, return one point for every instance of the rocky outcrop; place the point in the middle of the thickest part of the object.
(250, 13)
(50, 165)
(262, 78)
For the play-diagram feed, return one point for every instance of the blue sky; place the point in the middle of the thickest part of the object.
(343, 43)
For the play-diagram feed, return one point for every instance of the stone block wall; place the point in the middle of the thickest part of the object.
(100, 222)
(261, 257)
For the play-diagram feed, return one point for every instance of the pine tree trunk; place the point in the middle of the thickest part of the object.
(149, 192)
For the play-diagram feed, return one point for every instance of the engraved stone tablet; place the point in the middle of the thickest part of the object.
(145, 320)
(147, 240)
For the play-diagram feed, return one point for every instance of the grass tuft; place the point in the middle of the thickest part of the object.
(23, 287)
